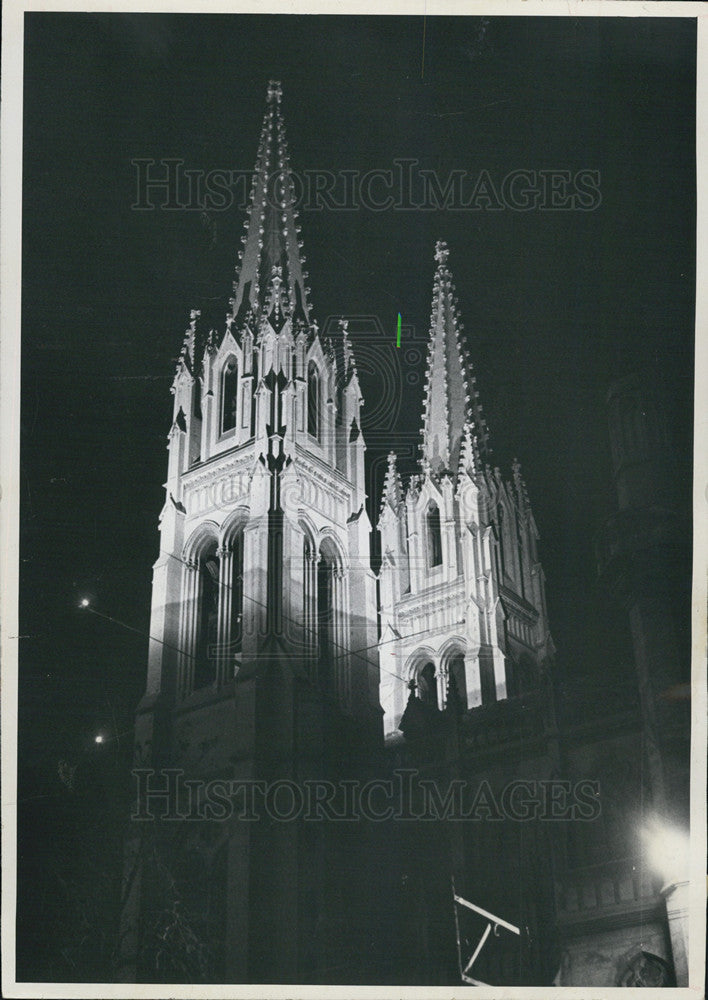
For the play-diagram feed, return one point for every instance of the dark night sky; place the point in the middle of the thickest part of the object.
(555, 304)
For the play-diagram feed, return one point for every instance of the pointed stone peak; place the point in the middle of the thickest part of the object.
(272, 235)
(414, 485)
(451, 398)
(393, 486)
(189, 355)
(346, 342)
(212, 341)
(329, 351)
(349, 369)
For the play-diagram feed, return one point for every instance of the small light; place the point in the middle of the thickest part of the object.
(667, 850)
(99, 739)
(84, 603)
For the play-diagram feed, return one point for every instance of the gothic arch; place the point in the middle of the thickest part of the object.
(330, 545)
(255, 382)
(206, 636)
(232, 609)
(452, 659)
(330, 611)
(309, 589)
(421, 667)
(228, 394)
(234, 524)
(308, 527)
(454, 644)
(314, 399)
(433, 534)
(200, 538)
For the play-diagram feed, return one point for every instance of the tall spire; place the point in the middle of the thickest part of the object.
(271, 244)
(451, 400)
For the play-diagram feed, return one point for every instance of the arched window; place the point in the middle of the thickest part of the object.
(427, 686)
(254, 389)
(458, 680)
(229, 387)
(309, 589)
(313, 400)
(434, 536)
(236, 623)
(207, 618)
(325, 616)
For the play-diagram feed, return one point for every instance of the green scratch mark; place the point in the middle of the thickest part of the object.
(398, 334)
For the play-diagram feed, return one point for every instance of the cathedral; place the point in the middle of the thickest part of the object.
(278, 656)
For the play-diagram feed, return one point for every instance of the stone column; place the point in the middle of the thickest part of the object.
(441, 678)
(182, 658)
(224, 654)
(188, 632)
(317, 624)
(337, 631)
(346, 642)
(310, 602)
(473, 680)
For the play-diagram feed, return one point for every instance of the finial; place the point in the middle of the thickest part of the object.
(393, 486)
(275, 91)
(441, 252)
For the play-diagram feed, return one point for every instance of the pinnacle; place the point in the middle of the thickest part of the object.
(441, 252)
(393, 486)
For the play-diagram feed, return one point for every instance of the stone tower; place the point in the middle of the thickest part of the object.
(465, 660)
(261, 590)
(462, 588)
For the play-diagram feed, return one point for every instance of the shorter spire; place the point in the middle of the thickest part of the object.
(451, 399)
